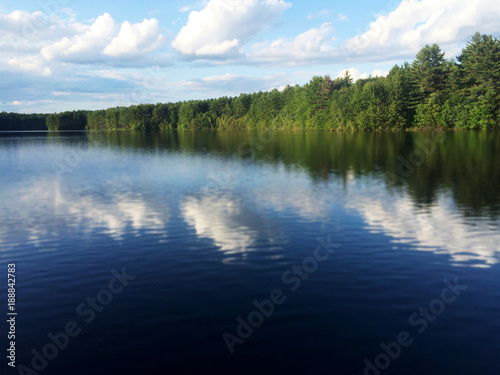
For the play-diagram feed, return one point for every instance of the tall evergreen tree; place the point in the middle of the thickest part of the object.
(428, 71)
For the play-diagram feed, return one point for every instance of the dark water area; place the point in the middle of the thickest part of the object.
(251, 253)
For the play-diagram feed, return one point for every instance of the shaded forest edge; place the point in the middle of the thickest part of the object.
(431, 92)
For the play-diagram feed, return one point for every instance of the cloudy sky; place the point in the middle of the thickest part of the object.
(58, 55)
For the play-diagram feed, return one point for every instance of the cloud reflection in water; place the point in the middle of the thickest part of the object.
(232, 226)
(440, 227)
(47, 207)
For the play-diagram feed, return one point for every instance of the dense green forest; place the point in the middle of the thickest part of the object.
(431, 92)
(17, 121)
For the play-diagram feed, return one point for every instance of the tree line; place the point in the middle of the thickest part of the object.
(430, 92)
(18, 121)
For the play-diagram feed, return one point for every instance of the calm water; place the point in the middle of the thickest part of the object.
(346, 243)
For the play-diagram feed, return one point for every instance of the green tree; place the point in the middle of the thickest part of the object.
(480, 73)
(428, 70)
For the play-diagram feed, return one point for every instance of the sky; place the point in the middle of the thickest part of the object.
(58, 55)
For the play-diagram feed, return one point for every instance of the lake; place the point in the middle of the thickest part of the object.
(252, 253)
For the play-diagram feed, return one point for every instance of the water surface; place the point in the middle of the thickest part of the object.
(207, 223)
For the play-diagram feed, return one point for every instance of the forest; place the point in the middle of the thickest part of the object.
(430, 92)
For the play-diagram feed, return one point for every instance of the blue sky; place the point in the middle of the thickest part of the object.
(58, 55)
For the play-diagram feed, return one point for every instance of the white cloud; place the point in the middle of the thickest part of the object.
(323, 13)
(186, 83)
(380, 73)
(393, 37)
(310, 46)
(199, 5)
(413, 24)
(280, 88)
(28, 32)
(85, 46)
(105, 39)
(22, 102)
(135, 39)
(224, 26)
(356, 74)
(111, 74)
(221, 78)
(342, 17)
(31, 64)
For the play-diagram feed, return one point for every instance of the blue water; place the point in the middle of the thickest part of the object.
(343, 249)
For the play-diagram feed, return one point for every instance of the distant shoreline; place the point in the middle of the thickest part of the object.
(429, 93)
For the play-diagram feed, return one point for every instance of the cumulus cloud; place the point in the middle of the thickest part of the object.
(380, 73)
(105, 38)
(136, 39)
(312, 45)
(220, 31)
(30, 64)
(36, 46)
(391, 37)
(224, 26)
(356, 74)
(415, 23)
(30, 38)
(84, 46)
(28, 32)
